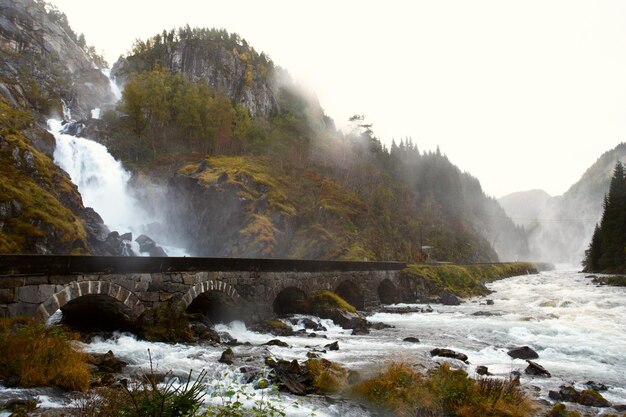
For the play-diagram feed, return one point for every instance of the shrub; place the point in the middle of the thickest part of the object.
(327, 377)
(33, 355)
(402, 391)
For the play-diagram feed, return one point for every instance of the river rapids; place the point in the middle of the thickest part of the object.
(577, 328)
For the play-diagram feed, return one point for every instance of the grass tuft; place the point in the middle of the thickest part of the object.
(33, 355)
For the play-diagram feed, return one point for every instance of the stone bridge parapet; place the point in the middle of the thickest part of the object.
(38, 286)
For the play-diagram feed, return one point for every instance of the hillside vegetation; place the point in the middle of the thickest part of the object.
(251, 164)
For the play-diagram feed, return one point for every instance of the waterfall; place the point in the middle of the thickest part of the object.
(101, 180)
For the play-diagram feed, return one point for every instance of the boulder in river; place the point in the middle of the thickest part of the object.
(332, 346)
(449, 353)
(482, 370)
(449, 299)
(411, 339)
(276, 342)
(589, 397)
(106, 362)
(524, 352)
(537, 370)
(228, 356)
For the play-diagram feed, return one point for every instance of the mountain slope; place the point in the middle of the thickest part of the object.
(566, 224)
(524, 207)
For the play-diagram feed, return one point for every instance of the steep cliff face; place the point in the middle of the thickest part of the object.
(223, 61)
(41, 69)
(41, 66)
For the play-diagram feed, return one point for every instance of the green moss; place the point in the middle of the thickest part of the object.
(326, 300)
(168, 322)
(260, 231)
(465, 280)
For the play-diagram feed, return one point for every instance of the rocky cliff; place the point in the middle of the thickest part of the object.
(43, 73)
(222, 60)
(42, 66)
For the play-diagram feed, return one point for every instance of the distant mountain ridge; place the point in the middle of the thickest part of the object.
(524, 207)
(563, 228)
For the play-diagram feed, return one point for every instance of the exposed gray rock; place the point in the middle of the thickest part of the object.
(228, 357)
(537, 370)
(524, 352)
(450, 299)
(448, 353)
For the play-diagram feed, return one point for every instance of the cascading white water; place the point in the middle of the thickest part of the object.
(101, 180)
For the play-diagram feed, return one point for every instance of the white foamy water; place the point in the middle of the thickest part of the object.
(103, 184)
(101, 180)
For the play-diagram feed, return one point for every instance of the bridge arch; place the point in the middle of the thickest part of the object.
(387, 292)
(214, 299)
(132, 304)
(349, 291)
(290, 299)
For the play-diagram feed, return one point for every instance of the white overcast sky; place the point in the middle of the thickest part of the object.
(521, 94)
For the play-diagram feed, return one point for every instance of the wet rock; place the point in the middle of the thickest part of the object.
(291, 377)
(250, 374)
(127, 236)
(589, 398)
(203, 332)
(361, 329)
(537, 370)
(482, 370)
(489, 302)
(106, 362)
(272, 326)
(596, 386)
(379, 326)
(524, 352)
(449, 299)
(620, 408)
(157, 251)
(448, 353)
(485, 314)
(20, 406)
(345, 319)
(411, 339)
(592, 398)
(312, 355)
(228, 356)
(332, 346)
(311, 325)
(276, 342)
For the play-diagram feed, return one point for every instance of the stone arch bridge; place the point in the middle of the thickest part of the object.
(39, 285)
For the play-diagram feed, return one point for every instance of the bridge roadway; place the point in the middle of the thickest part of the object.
(39, 285)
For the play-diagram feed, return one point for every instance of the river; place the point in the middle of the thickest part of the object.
(577, 328)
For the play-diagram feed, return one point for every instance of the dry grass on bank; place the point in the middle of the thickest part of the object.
(402, 391)
(32, 355)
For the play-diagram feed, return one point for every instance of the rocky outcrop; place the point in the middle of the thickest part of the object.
(221, 218)
(223, 61)
(42, 66)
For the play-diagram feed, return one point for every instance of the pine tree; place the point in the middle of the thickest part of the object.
(606, 251)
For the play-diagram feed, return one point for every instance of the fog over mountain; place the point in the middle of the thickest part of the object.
(560, 228)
